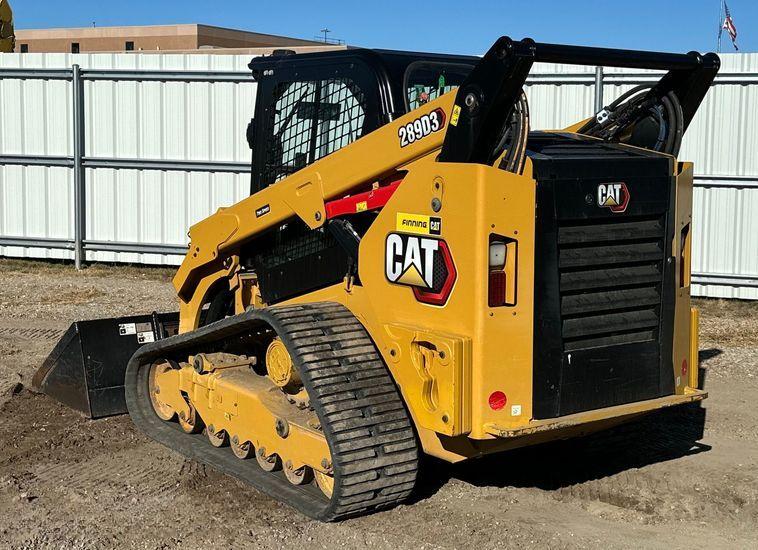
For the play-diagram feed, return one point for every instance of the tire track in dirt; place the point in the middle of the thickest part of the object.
(135, 475)
(32, 333)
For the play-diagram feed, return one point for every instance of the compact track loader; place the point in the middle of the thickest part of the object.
(416, 271)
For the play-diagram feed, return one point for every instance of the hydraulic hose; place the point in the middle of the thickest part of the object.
(616, 122)
(514, 137)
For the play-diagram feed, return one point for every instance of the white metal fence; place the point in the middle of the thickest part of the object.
(163, 146)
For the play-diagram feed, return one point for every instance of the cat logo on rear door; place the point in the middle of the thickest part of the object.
(423, 263)
(614, 196)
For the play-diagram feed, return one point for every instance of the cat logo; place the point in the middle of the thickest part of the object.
(410, 260)
(614, 196)
(423, 263)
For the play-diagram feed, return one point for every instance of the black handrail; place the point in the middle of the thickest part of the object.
(631, 59)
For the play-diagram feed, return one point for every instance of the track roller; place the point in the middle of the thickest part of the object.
(242, 450)
(299, 476)
(191, 423)
(216, 438)
(270, 462)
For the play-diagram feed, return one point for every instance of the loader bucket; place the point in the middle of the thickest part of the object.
(85, 370)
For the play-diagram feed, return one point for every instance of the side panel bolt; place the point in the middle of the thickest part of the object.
(282, 428)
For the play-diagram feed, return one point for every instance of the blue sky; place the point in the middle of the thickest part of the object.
(444, 26)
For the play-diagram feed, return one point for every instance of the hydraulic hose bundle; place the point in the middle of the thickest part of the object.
(641, 117)
(514, 138)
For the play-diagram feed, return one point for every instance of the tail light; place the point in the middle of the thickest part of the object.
(501, 288)
(498, 251)
(497, 283)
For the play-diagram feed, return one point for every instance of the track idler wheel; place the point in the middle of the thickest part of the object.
(325, 482)
(163, 410)
(280, 368)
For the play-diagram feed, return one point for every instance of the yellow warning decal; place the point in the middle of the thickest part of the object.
(361, 206)
(418, 224)
(455, 116)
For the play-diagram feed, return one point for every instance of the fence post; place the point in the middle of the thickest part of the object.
(598, 89)
(79, 184)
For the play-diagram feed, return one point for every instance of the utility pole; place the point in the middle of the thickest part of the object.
(325, 31)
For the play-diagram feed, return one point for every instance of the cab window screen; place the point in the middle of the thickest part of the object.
(426, 81)
(309, 120)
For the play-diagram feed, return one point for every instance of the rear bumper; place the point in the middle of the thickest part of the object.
(599, 415)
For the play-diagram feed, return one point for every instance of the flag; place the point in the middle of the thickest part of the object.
(728, 25)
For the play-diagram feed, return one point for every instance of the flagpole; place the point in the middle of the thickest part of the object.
(721, 25)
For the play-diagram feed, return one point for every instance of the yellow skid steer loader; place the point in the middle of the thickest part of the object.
(415, 271)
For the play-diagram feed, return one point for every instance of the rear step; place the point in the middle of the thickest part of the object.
(85, 370)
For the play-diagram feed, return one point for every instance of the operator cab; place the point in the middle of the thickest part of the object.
(311, 105)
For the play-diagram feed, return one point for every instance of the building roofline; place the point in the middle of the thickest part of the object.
(52, 29)
(256, 33)
(197, 28)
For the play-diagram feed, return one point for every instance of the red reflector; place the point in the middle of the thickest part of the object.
(496, 288)
(497, 400)
(684, 368)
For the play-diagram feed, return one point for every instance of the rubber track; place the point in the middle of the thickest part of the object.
(373, 446)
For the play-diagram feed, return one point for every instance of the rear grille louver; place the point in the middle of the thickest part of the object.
(610, 275)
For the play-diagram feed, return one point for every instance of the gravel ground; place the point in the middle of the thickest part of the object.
(683, 478)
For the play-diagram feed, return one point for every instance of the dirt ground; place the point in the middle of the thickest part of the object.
(66, 482)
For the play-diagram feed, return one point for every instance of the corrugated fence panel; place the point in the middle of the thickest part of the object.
(723, 141)
(200, 121)
(725, 252)
(183, 121)
(36, 202)
(35, 119)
